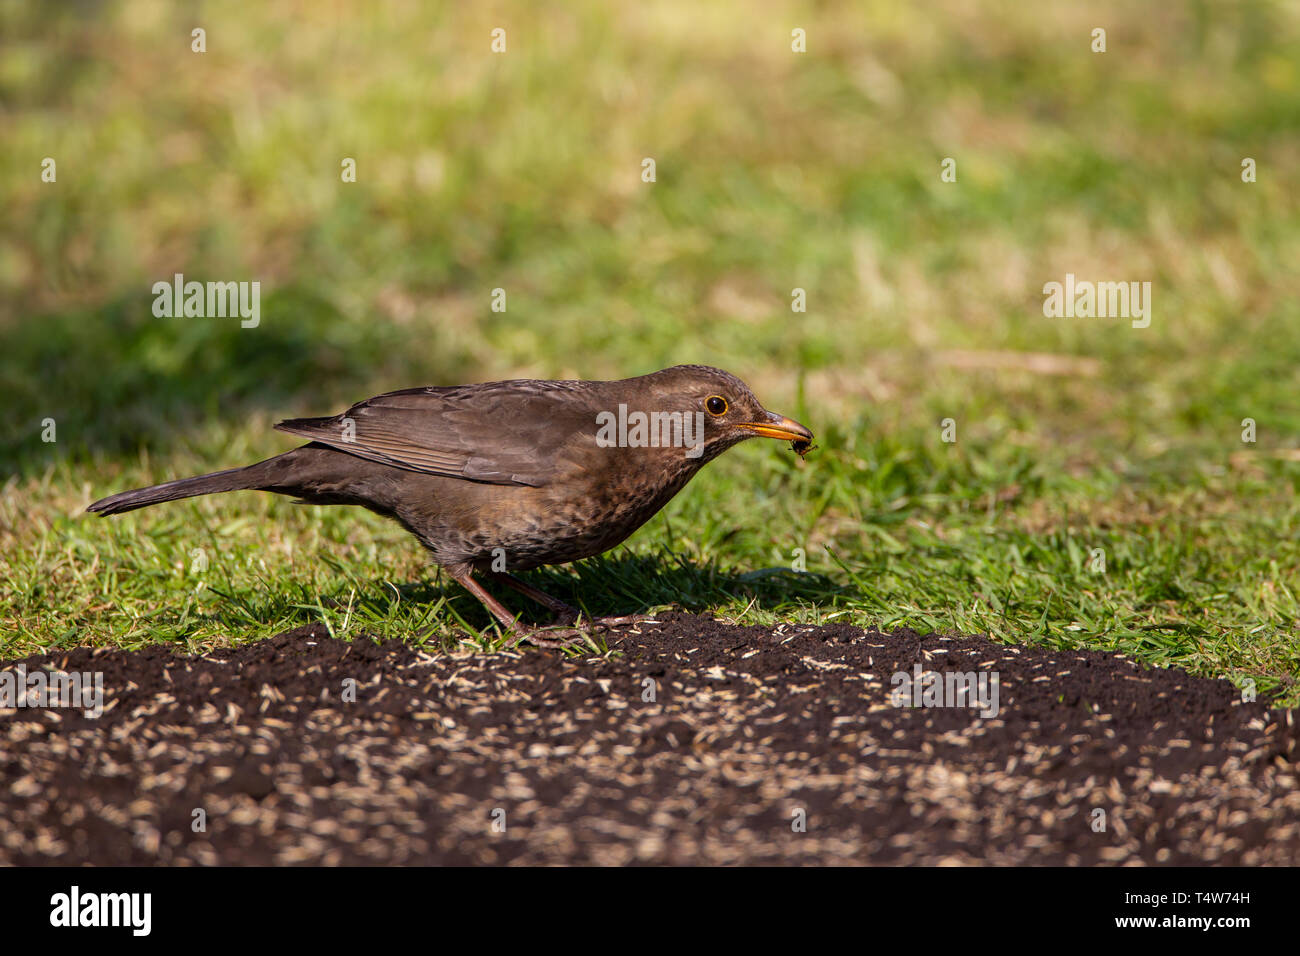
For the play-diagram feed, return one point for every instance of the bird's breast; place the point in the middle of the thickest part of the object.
(585, 511)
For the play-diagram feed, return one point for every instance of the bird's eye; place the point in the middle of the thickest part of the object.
(716, 404)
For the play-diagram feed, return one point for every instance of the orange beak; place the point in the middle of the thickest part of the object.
(779, 427)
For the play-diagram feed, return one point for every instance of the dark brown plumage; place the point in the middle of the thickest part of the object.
(514, 474)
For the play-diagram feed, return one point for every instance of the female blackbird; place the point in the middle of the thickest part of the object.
(506, 476)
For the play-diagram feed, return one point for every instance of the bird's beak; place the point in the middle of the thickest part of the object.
(779, 427)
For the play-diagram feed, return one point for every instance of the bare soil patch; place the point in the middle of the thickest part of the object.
(749, 728)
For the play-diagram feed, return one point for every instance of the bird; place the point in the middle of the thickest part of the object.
(499, 477)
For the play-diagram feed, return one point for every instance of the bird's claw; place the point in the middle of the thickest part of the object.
(575, 628)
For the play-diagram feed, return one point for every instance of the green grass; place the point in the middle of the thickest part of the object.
(775, 171)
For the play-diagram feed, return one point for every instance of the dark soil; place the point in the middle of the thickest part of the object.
(749, 730)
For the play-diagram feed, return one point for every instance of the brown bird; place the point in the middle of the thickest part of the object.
(506, 476)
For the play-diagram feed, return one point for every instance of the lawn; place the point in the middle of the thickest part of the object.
(1097, 490)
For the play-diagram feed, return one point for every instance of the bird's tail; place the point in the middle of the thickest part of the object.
(235, 479)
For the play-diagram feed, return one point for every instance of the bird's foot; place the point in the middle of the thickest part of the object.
(619, 620)
(575, 618)
(568, 631)
(557, 638)
(566, 617)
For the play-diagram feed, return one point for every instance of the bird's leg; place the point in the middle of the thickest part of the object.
(564, 613)
(567, 614)
(501, 612)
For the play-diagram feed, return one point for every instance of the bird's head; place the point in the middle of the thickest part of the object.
(721, 406)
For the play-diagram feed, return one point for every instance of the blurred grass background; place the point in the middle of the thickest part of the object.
(775, 170)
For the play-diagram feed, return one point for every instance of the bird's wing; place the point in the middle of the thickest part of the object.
(506, 433)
